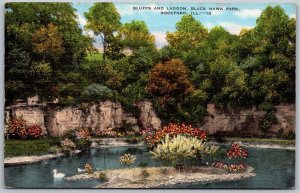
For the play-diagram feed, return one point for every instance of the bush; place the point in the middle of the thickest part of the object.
(89, 168)
(97, 92)
(144, 174)
(67, 143)
(163, 171)
(83, 134)
(17, 129)
(177, 149)
(103, 177)
(153, 137)
(34, 131)
(109, 132)
(236, 151)
(127, 159)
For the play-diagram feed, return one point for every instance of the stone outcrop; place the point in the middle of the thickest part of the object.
(245, 122)
(148, 117)
(58, 121)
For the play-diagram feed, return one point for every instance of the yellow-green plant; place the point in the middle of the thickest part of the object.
(89, 168)
(127, 159)
(173, 150)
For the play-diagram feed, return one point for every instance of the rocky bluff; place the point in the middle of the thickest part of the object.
(58, 120)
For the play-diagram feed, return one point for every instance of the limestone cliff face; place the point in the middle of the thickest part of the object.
(245, 122)
(57, 121)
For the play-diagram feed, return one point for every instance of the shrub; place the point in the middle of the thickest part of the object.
(89, 168)
(103, 177)
(236, 151)
(163, 171)
(34, 131)
(144, 174)
(67, 143)
(17, 129)
(127, 159)
(177, 149)
(97, 92)
(109, 132)
(153, 137)
(83, 134)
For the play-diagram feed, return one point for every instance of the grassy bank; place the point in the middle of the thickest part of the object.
(262, 140)
(28, 147)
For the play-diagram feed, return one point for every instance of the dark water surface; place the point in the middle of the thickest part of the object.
(275, 168)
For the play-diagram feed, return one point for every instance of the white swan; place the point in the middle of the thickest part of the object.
(80, 170)
(57, 175)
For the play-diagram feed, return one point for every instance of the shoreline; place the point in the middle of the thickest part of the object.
(22, 160)
(130, 178)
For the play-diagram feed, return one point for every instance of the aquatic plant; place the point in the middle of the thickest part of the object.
(89, 168)
(153, 137)
(179, 148)
(127, 159)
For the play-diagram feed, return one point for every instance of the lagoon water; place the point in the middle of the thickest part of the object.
(275, 168)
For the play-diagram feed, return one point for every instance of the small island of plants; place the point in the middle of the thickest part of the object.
(183, 155)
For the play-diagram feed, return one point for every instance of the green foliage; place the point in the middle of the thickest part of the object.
(94, 57)
(46, 54)
(39, 42)
(103, 19)
(96, 92)
(189, 33)
(136, 35)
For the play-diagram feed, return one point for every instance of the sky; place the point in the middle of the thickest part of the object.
(158, 24)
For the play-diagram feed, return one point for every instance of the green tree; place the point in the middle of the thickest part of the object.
(49, 35)
(189, 33)
(135, 35)
(103, 19)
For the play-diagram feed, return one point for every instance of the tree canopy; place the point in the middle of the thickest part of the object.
(46, 54)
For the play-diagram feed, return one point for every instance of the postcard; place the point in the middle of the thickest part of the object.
(149, 95)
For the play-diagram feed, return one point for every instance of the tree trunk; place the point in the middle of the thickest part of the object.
(104, 46)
